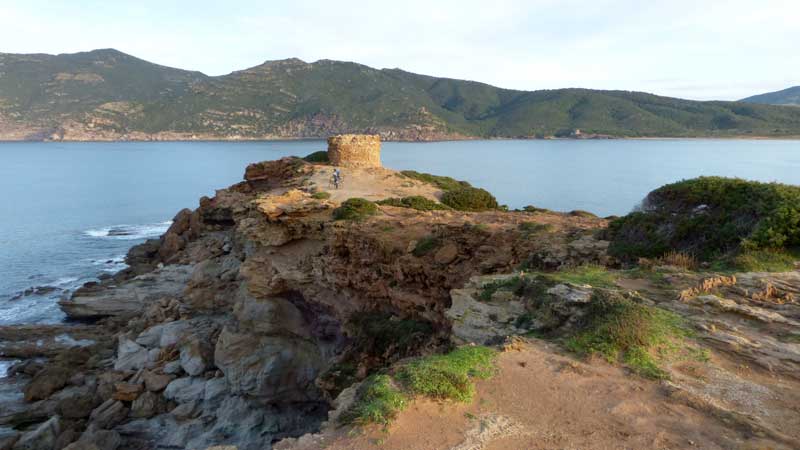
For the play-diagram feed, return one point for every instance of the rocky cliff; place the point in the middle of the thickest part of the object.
(248, 318)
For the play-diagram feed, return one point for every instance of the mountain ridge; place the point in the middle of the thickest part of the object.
(788, 97)
(109, 95)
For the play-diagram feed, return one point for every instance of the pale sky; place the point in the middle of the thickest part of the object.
(698, 49)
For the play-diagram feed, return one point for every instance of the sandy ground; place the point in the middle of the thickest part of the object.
(372, 184)
(542, 399)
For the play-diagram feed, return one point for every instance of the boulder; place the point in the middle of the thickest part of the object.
(130, 355)
(127, 392)
(270, 368)
(109, 413)
(156, 382)
(272, 315)
(146, 405)
(42, 438)
(446, 254)
(46, 382)
(187, 389)
(483, 322)
(164, 334)
(196, 356)
(76, 403)
(172, 368)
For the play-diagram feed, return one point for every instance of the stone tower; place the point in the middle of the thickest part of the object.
(355, 150)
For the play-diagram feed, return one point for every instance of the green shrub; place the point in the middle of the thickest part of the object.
(759, 261)
(377, 401)
(355, 209)
(512, 284)
(618, 328)
(582, 213)
(448, 376)
(710, 217)
(320, 157)
(534, 209)
(443, 183)
(469, 199)
(426, 245)
(417, 202)
(321, 195)
(529, 228)
(382, 332)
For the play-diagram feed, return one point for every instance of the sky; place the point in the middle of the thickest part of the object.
(699, 49)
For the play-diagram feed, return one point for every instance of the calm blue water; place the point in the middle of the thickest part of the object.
(61, 203)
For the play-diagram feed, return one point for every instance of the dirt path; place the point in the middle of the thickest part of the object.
(541, 399)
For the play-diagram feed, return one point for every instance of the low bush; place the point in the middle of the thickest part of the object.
(321, 195)
(469, 199)
(530, 228)
(426, 245)
(620, 329)
(710, 217)
(355, 209)
(320, 157)
(378, 401)
(381, 332)
(759, 261)
(582, 213)
(443, 183)
(417, 202)
(448, 376)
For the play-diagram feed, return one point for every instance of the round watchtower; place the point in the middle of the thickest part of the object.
(355, 150)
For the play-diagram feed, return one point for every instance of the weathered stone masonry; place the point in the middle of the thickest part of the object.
(355, 150)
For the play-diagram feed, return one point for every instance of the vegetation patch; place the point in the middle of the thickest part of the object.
(513, 284)
(768, 260)
(448, 376)
(321, 195)
(443, 183)
(582, 213)
(355, 209)
(417, 202)
(534, 209)
(384, 333)
(426, 245)
(320, 157)
(469, 199)
(620, 329)
(591, 274)
(710, 217)
(378, 401)
(531, 228)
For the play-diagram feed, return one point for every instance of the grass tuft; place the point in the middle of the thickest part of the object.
(767, 260)
(355, 209)
(426, 245)
(417, 202)
(448, 376)
(620, 329)
(591, 274)
(321, 195)
(378, 401)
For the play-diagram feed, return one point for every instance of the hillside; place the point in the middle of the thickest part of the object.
(788, 97)
(108, 95)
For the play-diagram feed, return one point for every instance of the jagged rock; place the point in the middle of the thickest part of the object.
(446, 254)
(184, 411)
(271, 368)
(173, 368)
(156, 382)
(130, 355)
(95, 439)
(7, 441)
(42, 438)
(146, 405)
(106, 382)
(76, 403)
(186, 389)
(753, 312)
(196, 356)
(272, 315)
(482, 322)
(127, 392)
(164, 334)
(130, 298)
(215, 390)
(46, 382)
(109, 413)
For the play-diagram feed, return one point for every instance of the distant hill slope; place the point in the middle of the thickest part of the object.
(106, 94)
(789, 97)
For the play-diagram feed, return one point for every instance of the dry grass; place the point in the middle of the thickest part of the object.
(707, 286)
(678, 259)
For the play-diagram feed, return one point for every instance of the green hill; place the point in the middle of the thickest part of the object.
(106, 94)
(788, 97)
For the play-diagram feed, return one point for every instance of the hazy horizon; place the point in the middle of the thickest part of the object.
(716, 50)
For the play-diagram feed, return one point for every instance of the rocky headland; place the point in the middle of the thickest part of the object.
(259, 317)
